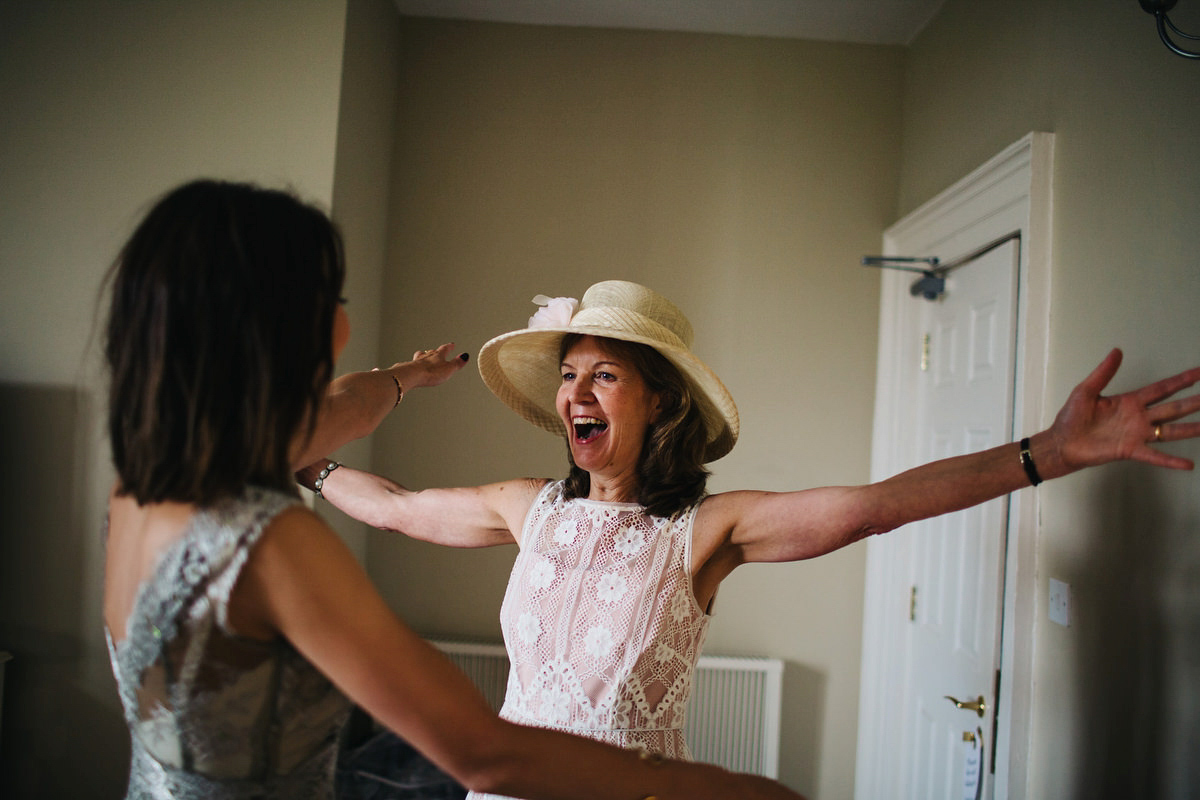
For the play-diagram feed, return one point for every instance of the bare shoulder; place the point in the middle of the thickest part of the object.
(518, 493)
(737, 519)
(513, 498)
(298, 532)
(720, 513)
(713, 527)
(296, 545)
(522, 490)
(298, 558)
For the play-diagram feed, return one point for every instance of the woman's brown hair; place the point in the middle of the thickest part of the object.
(219, 340)
(671, 472)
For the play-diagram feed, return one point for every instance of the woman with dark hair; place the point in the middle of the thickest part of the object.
(240, 627)
(609, 598)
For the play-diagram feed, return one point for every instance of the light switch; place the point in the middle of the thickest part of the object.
(1060, 602)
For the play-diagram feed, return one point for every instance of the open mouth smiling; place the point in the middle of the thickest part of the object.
(588, 428)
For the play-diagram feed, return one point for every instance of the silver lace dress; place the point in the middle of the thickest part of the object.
(212, 714)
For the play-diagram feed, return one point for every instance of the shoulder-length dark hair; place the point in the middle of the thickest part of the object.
(671, 471)
(219, 340)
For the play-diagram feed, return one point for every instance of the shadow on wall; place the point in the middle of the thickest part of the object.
(1139, 659)
(56, 738)
(800, 760)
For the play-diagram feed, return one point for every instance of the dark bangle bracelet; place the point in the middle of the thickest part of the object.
(322, 475)
(1027, 462)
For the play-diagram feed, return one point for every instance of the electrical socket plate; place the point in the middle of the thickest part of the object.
(1060, 602)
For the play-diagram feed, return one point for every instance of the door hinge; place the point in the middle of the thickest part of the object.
(912, 605)
(925, 343)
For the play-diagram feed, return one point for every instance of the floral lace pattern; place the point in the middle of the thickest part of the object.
(213, 714)
(601, 623)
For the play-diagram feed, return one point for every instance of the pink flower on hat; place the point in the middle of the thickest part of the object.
(556, 312)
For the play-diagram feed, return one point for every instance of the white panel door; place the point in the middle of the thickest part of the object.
(973, 609)
(956, 562)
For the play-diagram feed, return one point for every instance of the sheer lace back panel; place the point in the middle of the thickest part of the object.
(213, 714)
(601, 623)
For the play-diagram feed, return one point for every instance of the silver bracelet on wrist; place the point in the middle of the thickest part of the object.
(322, 475)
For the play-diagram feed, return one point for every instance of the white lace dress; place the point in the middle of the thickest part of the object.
(212, 714)
(601, 623)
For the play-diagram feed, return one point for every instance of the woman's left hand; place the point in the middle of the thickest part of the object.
(357, 402)
(428, 367)
(1093, 429)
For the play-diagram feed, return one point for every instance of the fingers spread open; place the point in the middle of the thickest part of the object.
(1175, 409)
(1149, 455)
(1159, 390)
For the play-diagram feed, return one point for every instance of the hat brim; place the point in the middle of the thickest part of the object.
(522, 369)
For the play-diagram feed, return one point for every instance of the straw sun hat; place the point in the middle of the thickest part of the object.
(522, 367)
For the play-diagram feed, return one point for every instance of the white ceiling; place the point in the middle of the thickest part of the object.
(865, 21)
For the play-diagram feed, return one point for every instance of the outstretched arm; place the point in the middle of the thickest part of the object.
(1090, 429)
(479, 516)
(303, 583)
(357, 402)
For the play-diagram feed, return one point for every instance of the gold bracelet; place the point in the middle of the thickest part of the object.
(654, 760)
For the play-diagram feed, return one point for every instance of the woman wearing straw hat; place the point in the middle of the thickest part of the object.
(606, 607)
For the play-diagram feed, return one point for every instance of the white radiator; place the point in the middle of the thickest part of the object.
(733, 719)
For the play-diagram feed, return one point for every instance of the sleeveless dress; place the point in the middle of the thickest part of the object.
(601, 624)
(213, 714)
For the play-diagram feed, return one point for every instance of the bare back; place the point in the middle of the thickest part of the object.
(137, 537)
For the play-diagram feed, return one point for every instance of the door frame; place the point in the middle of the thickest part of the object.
(1012, 191)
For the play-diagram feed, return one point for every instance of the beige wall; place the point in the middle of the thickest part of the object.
(1117, 693)
(107, 105)
(742, 177)
(362, 183)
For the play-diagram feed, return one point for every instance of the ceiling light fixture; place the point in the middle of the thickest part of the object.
(1159, 9)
